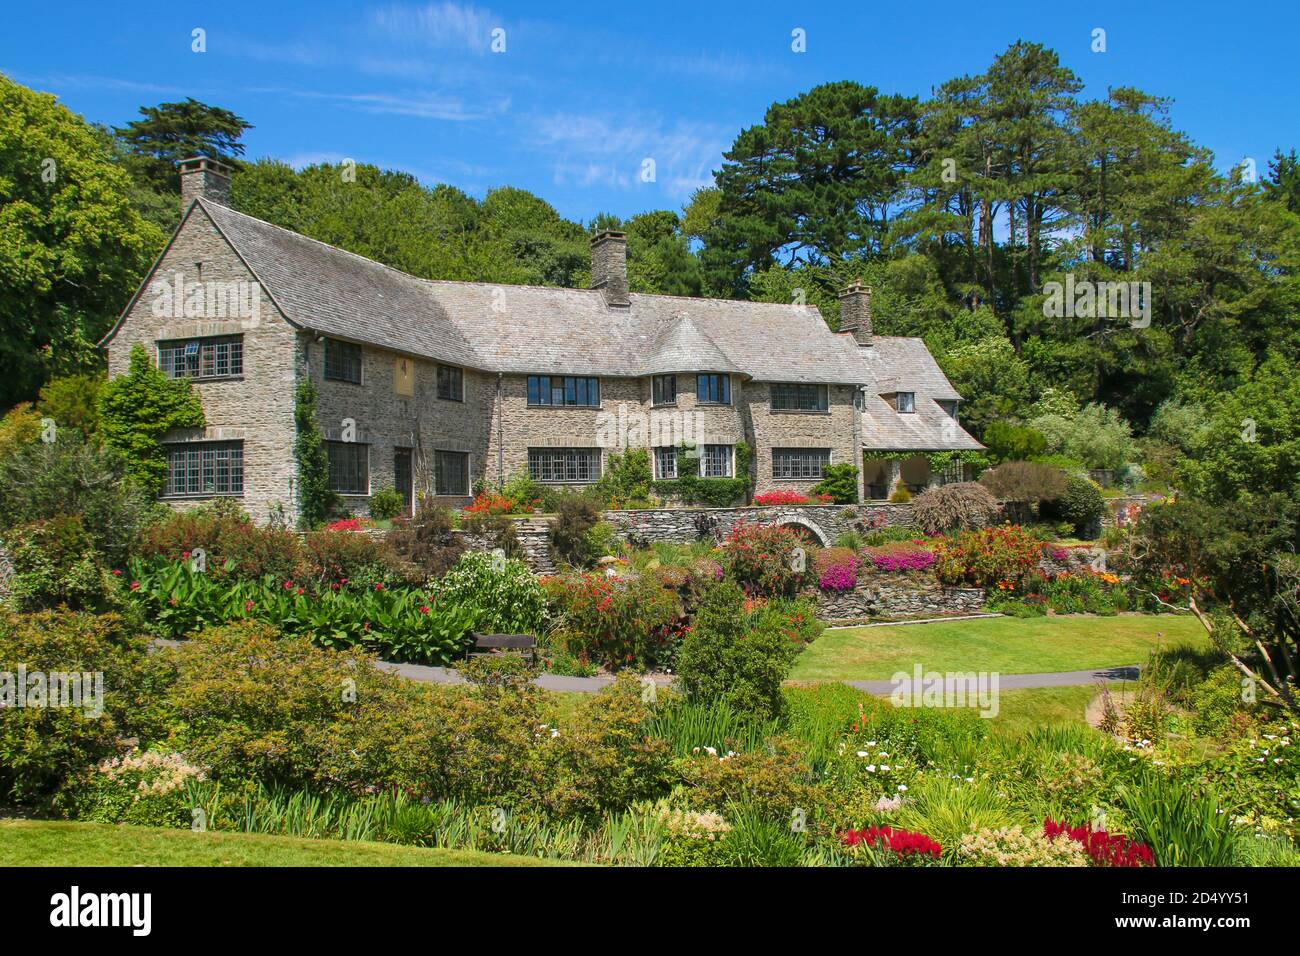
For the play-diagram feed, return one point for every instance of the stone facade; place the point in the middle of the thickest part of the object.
(255, 408)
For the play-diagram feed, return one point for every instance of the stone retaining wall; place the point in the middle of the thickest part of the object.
(825, 522)
(897, 595)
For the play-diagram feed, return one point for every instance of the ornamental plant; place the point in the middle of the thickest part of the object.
(616, 621)
(763, 559)
(786, 496)
(1104, 849)
(886, 846)
(503, 595)
(1014, 846)
(901, 556)
(985, 557)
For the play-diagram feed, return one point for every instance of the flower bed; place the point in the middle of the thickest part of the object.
(785, 496)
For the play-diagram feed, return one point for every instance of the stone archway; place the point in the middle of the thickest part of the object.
(805, 529)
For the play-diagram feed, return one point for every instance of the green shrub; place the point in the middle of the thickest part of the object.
(626, 479)
(777, 783)
(618, 622)
(19, 427)
(731, 657)
(226, 535)
(576, 516)
(1008, 442)
(1082, 504)
(315, 499)
(144, 788)
(426, 542)
(40, 481)
(41, 747)
(54, 563)
(73, 402)
(1024, 481)
(605, 757)
(840, 482)
(386, 504)
(763, 559)
(349, 556)
(988, 556)
(946, 810)
(137, 409)
(503, 595)
(900, 495)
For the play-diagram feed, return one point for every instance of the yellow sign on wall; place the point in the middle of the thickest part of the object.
(403, 375)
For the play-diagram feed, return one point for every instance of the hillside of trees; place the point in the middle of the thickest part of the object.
(959, 210)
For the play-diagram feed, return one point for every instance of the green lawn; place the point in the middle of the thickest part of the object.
(1023, 710)
(60, 843)
(1004, 644)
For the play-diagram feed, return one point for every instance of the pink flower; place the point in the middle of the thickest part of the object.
(424, 609)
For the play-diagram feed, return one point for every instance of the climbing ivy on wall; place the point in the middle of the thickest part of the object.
(691, 489)
(315, 500)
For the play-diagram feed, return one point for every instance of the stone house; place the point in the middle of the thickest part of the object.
(429, 386)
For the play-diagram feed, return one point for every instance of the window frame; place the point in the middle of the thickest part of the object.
(327, 368)
(821, 397)
(661, 454)
(440, 456)
(563, 387)
(911, 401)
(546, 474)
(722, 381)
(657, 390)
(196, 468)
(364, 451)
(205, 347)
(458, 378)
(783, 467)
(729, 464)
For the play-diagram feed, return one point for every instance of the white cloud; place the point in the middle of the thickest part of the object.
(439, 25)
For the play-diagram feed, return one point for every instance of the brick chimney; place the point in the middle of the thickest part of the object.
(204, 177)
(855, 311)
(609, 266)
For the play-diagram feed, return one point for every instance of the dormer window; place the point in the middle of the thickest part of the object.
(949, 407)
(905, 403)
(713, 389)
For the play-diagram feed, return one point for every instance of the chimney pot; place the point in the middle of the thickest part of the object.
(855, 312)
(206, 178)
(609, 266)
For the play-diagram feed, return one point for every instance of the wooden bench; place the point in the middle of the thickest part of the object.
(525, 644)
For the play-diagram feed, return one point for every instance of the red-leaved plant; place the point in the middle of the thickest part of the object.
(1104, 849)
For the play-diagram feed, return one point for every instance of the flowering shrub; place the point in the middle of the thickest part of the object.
(901, 556)
(617, 622)
(489, 503)
(503, 594)
(984, 557)
(785, 496)
(147, 789)
(234, 545)
(900, 847)
(1012, 846)
(347, 524)
(692, 838)
(761, 558)
(836, 568)
(1104, 849)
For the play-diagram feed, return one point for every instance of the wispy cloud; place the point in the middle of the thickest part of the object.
(592, 150)
(423, 104)
(443, 26)
(56, 81)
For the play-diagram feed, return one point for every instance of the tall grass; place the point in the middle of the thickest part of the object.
(686, 725)
(1182, 827)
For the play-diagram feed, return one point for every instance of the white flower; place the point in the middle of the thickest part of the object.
(884, 767)
(902, 786)
(711, 751)
(871, 768)
(862, 753)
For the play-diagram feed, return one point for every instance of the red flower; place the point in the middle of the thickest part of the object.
(1104, 849)
(248, 606)
(424, 609)
(135, 585)
(379, 585)
(117, 573)
(902, 842)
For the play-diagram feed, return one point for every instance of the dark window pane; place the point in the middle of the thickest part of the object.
(451, 473)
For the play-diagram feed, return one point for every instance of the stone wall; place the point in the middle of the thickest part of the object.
(534, 538)
(826, 522)
(895, 594)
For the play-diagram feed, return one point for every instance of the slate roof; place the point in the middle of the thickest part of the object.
(517, 328)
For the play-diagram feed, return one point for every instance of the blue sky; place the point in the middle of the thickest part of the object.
(585, 92)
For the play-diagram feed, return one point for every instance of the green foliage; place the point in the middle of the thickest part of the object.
(385, 504)
(55, 563)
(616, 621)
(736, 657)
(503, 595)
(763, 559)
(73, 402)
(691, 489)
(144, 788)
(1024, 481)
(1010, 442)
(1183, 827)
(576, 516)
(627, 478)
(840, 482)
(137, 409)
(1082, 504)
(988, 556)
(232, 544)
(69, 477)
(427, 541)
(315, 499)
(169, 132)
(41, 746)
(1095, 435)
(72, 248)
(20, 426)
